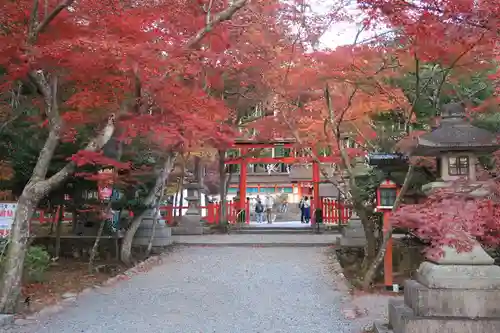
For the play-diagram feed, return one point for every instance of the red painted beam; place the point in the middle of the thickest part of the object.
(288, 160)
(263, 145)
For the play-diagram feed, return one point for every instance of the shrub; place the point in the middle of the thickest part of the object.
(36, 263)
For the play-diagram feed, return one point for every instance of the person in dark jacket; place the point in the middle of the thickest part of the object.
(259, 211)
(307, 210)
(301, 207)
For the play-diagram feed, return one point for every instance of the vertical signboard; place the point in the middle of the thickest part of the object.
(7, 211)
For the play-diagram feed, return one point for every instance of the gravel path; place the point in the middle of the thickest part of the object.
(223, 290)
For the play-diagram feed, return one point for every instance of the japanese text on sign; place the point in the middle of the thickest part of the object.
(7, 211)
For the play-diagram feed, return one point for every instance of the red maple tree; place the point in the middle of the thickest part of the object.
(133, 67)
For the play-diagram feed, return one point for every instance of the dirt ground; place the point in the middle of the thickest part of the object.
(65, 277)
(363, 308)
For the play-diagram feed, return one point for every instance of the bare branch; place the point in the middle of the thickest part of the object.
(49, 18)
(448, 70)
(33, 20)
(222, 16)
(49, 92)
(94, 145)
(325, 174)
(208, 10)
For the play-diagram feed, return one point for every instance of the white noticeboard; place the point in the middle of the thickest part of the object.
(7, 211)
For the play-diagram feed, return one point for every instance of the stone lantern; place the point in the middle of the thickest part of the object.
(360, 168)
(457, 292)
(191, 222)
(455, 144)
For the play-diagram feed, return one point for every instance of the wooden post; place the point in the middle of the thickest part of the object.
(316, 180)
(247, 210)
(59, 214)
(388, 281)
(243, 181)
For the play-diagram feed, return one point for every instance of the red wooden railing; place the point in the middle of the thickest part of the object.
(335, 212)
(42, 217)
(210, 212)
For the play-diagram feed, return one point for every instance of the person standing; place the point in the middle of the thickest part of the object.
(269, 208)
(307, 210)
(301, 207)
(259, 211)
(284, 204)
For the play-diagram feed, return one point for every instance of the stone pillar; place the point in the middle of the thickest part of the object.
(458, 293)
(191, 222)
(353, 235)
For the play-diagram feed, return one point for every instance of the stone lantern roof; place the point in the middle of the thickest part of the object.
(455, 134)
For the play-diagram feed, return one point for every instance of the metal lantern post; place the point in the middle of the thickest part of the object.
(387, 192)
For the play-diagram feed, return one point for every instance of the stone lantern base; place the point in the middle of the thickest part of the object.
(162, 234)
(460, 293)
(353, 234)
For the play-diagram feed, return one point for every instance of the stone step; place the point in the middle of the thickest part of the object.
(260, 240)
(189, 230)
(273, 231)
(283, 231)
(402, 319)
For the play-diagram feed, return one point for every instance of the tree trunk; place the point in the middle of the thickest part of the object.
(10, 284)
(180, 188)
(126, 251)
(224, 182)
(373, 267)
(108, 211)
(95, 247)
(156, 213)
(371, 245)
(36, 189)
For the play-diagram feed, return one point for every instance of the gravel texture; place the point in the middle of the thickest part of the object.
(203, 290)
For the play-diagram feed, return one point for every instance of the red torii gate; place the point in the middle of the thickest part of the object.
(244, 160)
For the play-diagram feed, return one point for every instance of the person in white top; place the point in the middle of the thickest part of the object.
(307, 210)
(269, 208)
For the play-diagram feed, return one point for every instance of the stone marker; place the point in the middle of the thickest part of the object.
(459, 293)
(353, 235)
(163, 233)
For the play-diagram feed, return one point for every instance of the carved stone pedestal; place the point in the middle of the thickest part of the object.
(459, 293)
(353, 235)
